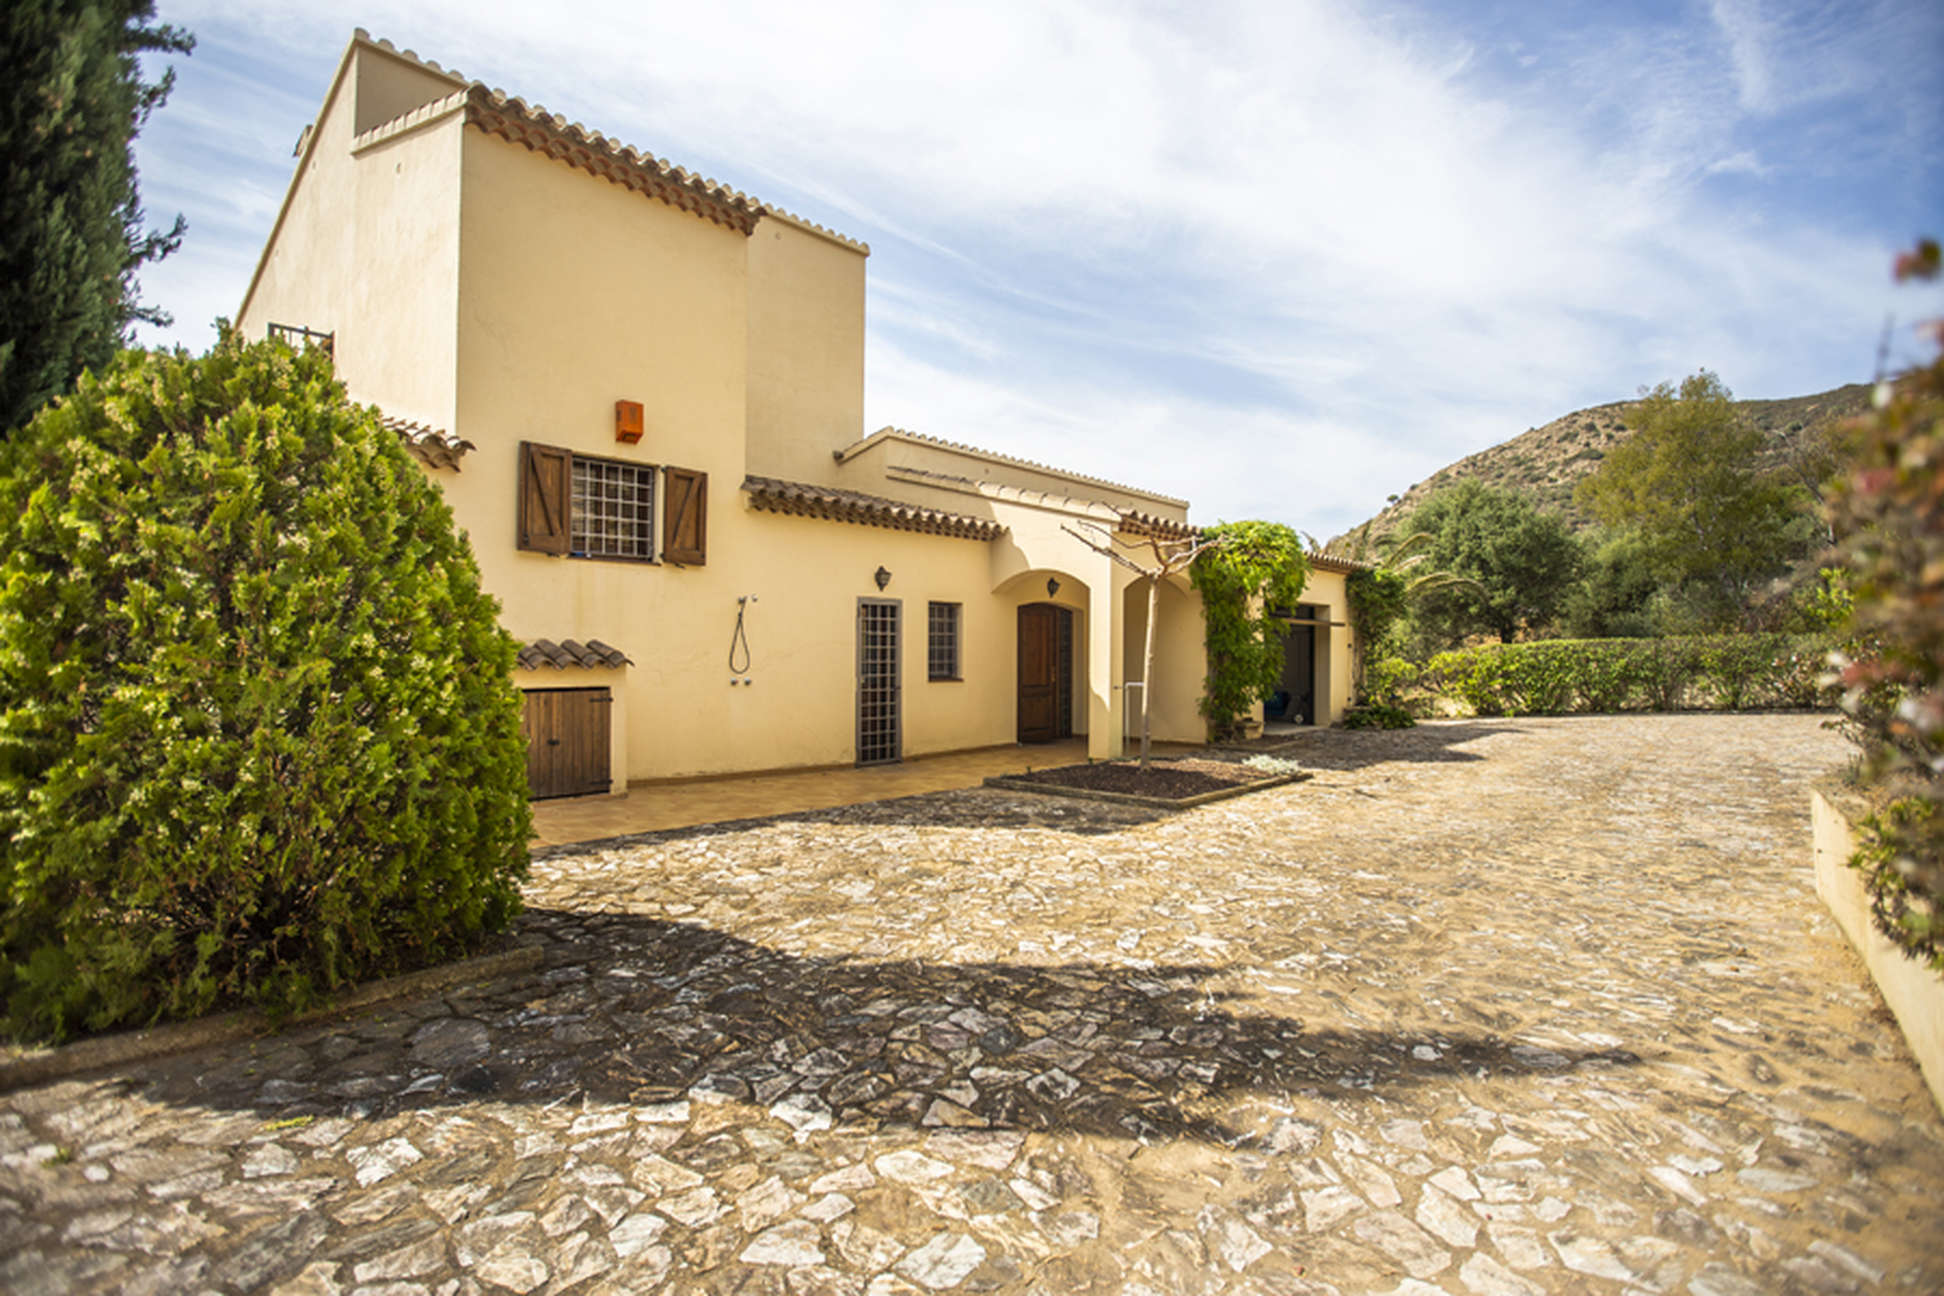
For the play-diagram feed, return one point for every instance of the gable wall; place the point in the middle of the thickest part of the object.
(368, 248)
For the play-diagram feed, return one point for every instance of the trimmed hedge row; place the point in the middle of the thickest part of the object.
(1690, 672)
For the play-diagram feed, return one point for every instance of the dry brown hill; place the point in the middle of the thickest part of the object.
(1545, 463)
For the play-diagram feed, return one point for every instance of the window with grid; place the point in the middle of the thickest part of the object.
(943, 643)
(613, 509)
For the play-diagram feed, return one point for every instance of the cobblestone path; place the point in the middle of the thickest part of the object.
(1486, 1007)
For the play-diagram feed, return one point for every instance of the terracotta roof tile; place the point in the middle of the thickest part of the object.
(1139, 523)
(497, 113)
(570, 652)
(433, 447)
(514, 119)
(1337, 563)
(805, 500)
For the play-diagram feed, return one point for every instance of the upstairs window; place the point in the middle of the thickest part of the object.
(613, 513)
(942, 648)
(582, 506)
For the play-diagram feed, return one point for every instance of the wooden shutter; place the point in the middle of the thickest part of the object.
(685, 516)
(546, 497)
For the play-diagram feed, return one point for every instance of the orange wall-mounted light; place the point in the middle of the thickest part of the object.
(627, 421)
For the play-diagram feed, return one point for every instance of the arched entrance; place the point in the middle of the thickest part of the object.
(1045, 707)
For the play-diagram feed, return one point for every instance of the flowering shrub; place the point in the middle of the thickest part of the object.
(1889, 507)
(257, 731)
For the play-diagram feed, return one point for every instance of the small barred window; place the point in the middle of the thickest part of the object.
(613, 509)
(943, 648)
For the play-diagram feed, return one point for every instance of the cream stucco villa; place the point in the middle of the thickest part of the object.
(643, 393)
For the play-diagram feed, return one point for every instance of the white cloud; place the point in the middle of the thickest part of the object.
(1298, 253)
(1749, 38)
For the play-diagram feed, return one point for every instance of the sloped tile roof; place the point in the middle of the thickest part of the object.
(1133, 521)
(1139, 523)
(433, 447)
(1337, 563)
(993, 456)
(550, 135)
(514, 119)
(802, 499)
(570, 652)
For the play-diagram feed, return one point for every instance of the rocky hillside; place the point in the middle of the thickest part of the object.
(1545, 463)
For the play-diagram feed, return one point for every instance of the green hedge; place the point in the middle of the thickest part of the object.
(1694, 672)
(258, 736)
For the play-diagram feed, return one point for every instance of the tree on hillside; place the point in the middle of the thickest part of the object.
(1615, 597)
(1683, 484)
(71, 226)
(1517, 563)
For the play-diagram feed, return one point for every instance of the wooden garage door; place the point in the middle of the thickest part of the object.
(567, 741)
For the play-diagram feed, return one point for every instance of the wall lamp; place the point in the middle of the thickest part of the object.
(1052, 586)
(883, 578)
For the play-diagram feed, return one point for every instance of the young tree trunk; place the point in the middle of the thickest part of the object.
(1147, 662)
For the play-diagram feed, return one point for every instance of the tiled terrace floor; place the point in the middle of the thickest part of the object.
(653, 807)
(1488, 1008)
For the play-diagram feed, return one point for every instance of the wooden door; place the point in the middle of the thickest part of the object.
(1039, 673)
(567, 741)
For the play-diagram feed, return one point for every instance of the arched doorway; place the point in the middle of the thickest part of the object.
(1045, 708)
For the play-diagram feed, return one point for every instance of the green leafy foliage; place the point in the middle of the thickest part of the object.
(1378, 715)
(1516, 564)
(1705, 521)
(1378, 597)
(1901, 904)
(257, 732)
(1257, 568)
(71, 227)
(1616, 596)
(1889, 508)
(1700, 672)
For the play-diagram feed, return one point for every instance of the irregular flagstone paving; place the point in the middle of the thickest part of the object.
(1486, 1007)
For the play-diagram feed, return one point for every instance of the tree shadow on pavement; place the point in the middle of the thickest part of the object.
(631, 1010)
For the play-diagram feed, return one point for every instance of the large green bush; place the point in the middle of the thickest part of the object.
(257, 734)
(1701, 672)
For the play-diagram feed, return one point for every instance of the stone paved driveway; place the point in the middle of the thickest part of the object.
(1499, 1006)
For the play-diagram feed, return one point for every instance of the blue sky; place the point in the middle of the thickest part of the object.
(1281, 259)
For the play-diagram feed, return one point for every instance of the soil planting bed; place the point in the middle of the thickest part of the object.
(1178, 783)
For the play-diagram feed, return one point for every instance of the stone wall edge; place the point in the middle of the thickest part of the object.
(1913, 993)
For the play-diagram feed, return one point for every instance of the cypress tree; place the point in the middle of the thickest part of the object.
(71, 227)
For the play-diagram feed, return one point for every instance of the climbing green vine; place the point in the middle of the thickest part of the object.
(1377, 597)
(1258, 566)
